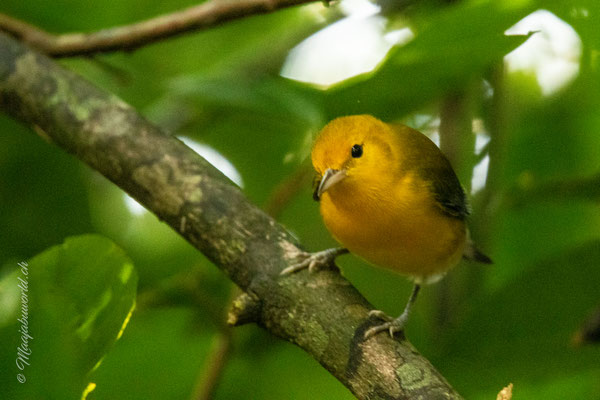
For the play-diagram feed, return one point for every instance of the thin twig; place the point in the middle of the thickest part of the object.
(215, 365)
(220, 352)
(131, 37)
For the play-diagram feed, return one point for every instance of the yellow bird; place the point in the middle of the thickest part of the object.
(389, 196)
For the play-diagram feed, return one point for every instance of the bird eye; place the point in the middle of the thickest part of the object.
(357, 151)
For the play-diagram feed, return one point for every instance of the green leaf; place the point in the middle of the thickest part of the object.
(274, 97)
(451, 49)
(78, 300)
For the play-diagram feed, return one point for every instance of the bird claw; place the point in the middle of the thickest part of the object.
(314, 261)
(380, 315)
(392, 325)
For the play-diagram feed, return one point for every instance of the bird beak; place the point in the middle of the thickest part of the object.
(330, 178)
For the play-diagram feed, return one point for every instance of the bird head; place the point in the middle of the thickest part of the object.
(351, 150)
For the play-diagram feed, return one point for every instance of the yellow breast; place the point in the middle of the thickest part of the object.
(399, 227)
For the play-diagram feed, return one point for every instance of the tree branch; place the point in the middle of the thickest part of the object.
(321, 312)
(131, 37)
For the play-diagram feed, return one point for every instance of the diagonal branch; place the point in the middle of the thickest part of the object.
(321, 312)
(131, 37)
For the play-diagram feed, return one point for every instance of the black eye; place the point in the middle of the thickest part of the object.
(356, 151)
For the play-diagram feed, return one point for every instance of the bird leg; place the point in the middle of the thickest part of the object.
(393, 325)
(314, 261)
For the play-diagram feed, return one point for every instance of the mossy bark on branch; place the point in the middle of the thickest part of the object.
(321, 312)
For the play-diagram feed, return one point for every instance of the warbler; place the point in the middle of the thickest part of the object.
(390, 196)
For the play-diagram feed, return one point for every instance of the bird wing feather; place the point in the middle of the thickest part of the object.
(423, 156)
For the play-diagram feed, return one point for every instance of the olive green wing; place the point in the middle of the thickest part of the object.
(422, 155)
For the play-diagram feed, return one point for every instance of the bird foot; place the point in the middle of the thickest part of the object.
(314, 261)
(392, 325)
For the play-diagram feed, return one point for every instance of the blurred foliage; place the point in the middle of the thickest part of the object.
(481, 327)
(68, 306)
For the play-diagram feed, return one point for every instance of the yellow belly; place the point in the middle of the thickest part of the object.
(412, 237)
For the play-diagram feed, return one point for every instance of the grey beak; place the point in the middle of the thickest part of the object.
(330, 178)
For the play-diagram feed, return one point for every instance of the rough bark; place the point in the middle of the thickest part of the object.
(321, 312)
